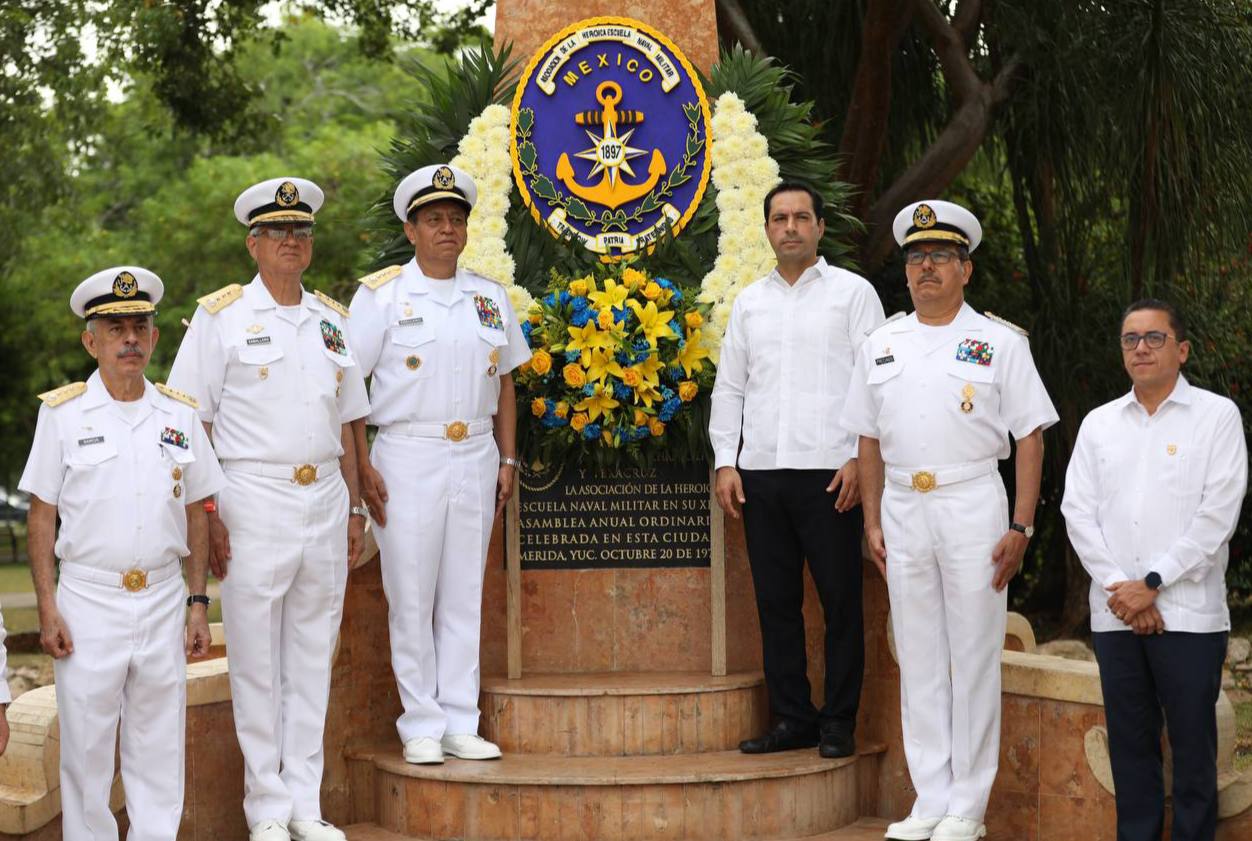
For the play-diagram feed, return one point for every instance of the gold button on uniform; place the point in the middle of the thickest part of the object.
(264, 373)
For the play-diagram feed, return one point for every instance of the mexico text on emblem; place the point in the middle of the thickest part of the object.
(610, 136)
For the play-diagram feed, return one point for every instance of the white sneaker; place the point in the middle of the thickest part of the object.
(315, 831)
(912, 829)
(268, 831)
(423, 751)
(953, 828)
(469, 746)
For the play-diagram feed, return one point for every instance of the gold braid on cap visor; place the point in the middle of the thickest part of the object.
(122, 308)
(931, 235)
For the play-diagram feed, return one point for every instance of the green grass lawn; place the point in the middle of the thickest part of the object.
(15, 578)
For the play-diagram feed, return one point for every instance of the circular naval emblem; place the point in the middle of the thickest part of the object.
(125, 285)
(287, 195)
(923, 216)
(443, 178)
(610, 136)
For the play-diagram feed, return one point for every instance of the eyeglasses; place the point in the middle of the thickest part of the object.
(1154, 338)
(278, 234)
(940, 257)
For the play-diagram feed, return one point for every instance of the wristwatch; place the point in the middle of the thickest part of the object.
(359, 511)
(1029, 531)
(1152, 580)
(510, 462)
(199, 599)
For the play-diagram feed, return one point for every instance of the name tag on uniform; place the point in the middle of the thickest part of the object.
(404, 322)
(885, 360)
(84, 442)
(259, 340)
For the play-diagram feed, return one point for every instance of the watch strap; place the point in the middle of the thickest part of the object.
(199, 598)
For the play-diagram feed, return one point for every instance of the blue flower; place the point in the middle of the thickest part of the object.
(550, 299)
(591, 431)
(527, 329)
(669, 408)
(580, 316)
(642, 346)
(667, 393)
(622, 357)
(565, 297)
(678, 296)
(664, 283)
(589, 389)
(580, 303)
(621, 314)
(573, 355)
(621, 391)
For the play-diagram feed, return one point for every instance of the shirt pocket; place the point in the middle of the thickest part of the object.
(489, 351)
(259, 371)
(973, 389)
(92, 470)
(414, 347)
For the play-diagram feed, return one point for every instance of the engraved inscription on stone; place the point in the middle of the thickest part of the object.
(655, 516)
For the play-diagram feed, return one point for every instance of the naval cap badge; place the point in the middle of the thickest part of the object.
(286, 195)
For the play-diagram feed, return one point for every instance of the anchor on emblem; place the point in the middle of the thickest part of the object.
(612, 155)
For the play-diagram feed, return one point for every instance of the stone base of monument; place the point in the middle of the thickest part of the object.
(616, 756)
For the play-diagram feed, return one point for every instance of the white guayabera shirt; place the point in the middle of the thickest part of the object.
(1159, 493)
(785, 365)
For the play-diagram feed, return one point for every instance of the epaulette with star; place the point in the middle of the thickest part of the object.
(895, 317)
(180, 396)
(998, 320)
(380, 278)
(331, 302)
(215, 302)
(57, 396)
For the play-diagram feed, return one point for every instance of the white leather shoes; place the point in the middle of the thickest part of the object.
(953, 828)
(268, 831)
(469, 746)
(314, 831)
(423, 751)
(912, 829)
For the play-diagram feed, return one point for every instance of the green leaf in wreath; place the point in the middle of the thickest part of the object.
(525, 121)
(693, 145)
(544, 189)
(527, 156)
(578, 210)
(691, 109)
(649, 203)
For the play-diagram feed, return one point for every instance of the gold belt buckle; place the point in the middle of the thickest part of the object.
(456, 431)
(305, 474)
(135, 580)
(923, 481)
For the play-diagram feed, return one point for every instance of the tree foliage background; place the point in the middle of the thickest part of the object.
(1104, 145)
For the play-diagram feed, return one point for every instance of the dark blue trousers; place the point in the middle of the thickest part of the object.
(1177, 676)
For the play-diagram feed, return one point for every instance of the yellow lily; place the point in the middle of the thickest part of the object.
(652, 324)
(588, 338)
(598, 403)
(601, 364)
(691, 354)
(650, 370)
(612, 298)
(647, 394)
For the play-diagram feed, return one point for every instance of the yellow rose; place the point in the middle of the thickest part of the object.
(605, 319)
(574, 376)
(640, 418)
(632, 377)
(633, 278)
(578, 421)
(687, 390)
(538, 408)
(524, 368)
(561, 410)
(693, 319)
(652, 291)
(656, 427)
(541, 361)
(578, 288)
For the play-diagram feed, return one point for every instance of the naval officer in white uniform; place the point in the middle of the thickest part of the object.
(125, 464)
(440, 342)
(278, 386)
(934, 397)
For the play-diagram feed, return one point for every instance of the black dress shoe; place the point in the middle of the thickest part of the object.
(785, 735)
(836, 743)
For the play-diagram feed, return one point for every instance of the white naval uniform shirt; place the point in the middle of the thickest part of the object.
(910, 382)
(111, 477)
(786, 360)
(430, 348)
(272, 380)
(1159, 493)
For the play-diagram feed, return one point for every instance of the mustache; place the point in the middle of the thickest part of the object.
(129, 350)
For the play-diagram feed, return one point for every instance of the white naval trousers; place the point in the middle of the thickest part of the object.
(129, 663)
(440, 508)
(949, 626)
(282, 600)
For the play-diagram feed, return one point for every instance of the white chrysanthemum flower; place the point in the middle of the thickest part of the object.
(484, 153)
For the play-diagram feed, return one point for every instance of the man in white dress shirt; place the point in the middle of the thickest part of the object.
(278, 385)
(785, 362)
(125, 464)
(934, 398)
(1152, 497)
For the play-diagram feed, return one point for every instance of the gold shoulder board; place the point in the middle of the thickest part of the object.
(66, 392)
(381, 278)
(331, 302)
(873, 330)
(998, 320)
(215, 302)
(180, 396)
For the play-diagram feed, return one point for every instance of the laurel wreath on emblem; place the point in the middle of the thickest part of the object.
(576, 208)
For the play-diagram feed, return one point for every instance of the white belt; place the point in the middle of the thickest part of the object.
(300, 474)
(453, 430)
(925, 481)
(133, 580)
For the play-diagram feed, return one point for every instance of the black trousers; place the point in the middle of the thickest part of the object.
(1178, 674)
(788, 517)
